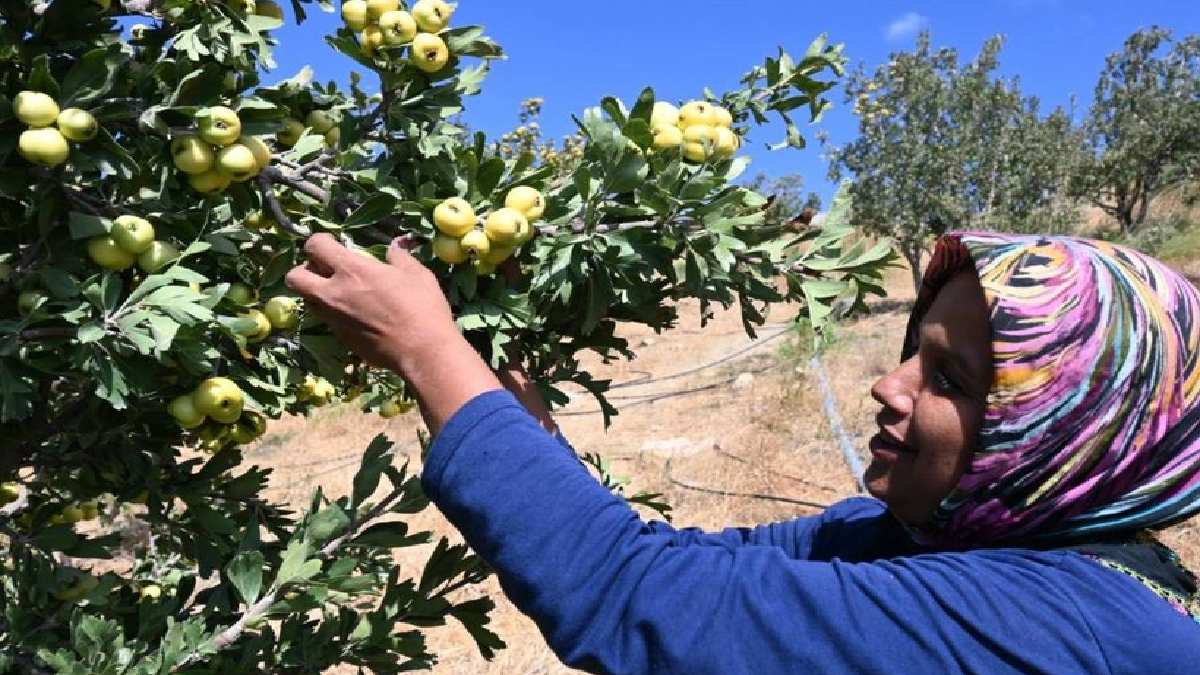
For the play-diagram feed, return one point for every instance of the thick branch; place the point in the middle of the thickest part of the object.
(266, 187)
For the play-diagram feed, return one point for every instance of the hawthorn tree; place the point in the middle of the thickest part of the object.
(154, 190)
(945, 145)
(1143, 128)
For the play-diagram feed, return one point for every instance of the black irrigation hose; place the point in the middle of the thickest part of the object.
(724, 359)
(802, 481)
(743, 495)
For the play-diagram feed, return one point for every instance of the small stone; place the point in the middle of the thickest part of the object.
(744, 381)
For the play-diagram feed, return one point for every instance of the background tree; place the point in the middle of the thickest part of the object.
(943, 146)
(1143, 128)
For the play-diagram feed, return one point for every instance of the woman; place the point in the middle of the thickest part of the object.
(1043, 418)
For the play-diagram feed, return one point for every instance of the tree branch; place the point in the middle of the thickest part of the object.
(266, 187)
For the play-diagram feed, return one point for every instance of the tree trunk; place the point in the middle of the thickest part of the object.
(913, 255)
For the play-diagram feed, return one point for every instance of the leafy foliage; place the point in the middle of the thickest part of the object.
(211, 575)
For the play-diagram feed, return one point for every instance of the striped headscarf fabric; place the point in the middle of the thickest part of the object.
(1092, 425)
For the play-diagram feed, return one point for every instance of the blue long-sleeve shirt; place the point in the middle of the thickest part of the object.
(842, 592)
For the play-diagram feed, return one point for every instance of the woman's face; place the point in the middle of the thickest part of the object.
(933, 405)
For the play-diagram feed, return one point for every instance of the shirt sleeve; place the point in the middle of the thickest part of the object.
(613, 595)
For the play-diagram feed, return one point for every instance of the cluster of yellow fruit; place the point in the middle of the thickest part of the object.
(42, 143)
(316, 390)
(131, 240)
(381, 23)
(504, 230)
(279, 313)
(219, 399)
(703, 129)
(218, 154)
(322, 122)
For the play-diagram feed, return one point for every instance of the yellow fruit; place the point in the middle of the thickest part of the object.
(183, 409)
(699, 142)
(150, 592)
(262, 153)
(377, 8)
(354, 13)
(449, 250)
(664, 115)
(727, 143)
(106, 253)
(389, 409)
(132, 233)
(697, 112)
(208, 182)
(475, 243)
(527, 200)
(503, 225)
(371, 39)
(192, 155)
(9, 492)
(35, 109)
(321, 121)
(429, 52)
(44, 146)
(399, 27)
(78, 125)
(282, 312)
(292, 129)
(432, 15)
(269, 8)
(667, 137)
(333, 137)
(157, 256)
(454, 217)
(723, 117)
(498, 254)
(219, 398)
(256, 327)
(238, 162)
(220, 125)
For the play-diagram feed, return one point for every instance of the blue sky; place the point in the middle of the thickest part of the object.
(574, 53)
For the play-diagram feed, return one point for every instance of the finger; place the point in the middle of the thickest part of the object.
(399, 253)
(306, 282)
(408, 242)
(326, 252)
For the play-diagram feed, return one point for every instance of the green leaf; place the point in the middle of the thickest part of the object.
(376, 457)
(378, 206)
(392, 534)
(326, 524)
(92, 77)
(246, 573)
(40, 78)
(489, 175)
(86, 226)
(293, 565)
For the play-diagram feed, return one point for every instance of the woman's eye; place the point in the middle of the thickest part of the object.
(944, 383)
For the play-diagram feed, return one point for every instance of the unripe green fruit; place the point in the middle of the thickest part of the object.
(449, 250)
(292, 129)
(157, 256)
(241, 294)
(219, 398)
(183, 409)
(46, 147)
(133, 234)
(258, 221)
(333, 137)
(35, 109)
(78, 125)
(192, 155)
(454, 217)
(27, 300)
(220, 126)
(237, 162)
(321, 121)
(106, 253)
(527, 200)
(429, 52)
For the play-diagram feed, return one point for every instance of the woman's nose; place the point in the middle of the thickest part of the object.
(896, 391)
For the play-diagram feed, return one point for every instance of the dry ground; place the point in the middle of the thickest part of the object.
(767, 437)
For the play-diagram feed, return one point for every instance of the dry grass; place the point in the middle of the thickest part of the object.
(769, 438)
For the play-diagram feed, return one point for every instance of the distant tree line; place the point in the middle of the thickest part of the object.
(948, 145)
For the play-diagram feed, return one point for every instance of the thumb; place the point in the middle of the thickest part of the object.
(400, 249)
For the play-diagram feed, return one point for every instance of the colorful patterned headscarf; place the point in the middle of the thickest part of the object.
(1092, 424)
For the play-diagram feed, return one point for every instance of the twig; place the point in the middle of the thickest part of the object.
(54, 332)
(273, 174)
(267, 189)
